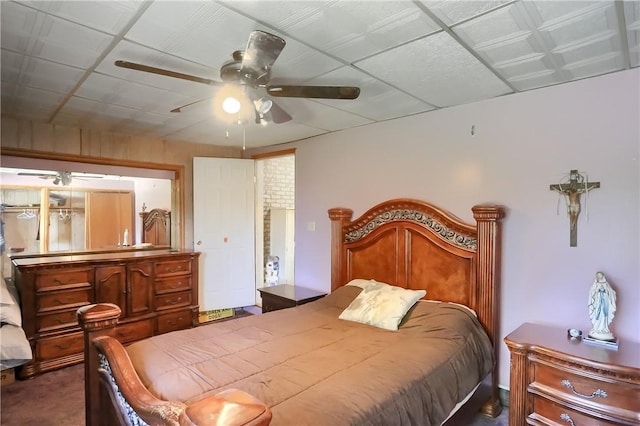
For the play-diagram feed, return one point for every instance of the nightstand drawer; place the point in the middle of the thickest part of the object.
(578, 387)
(549, 413)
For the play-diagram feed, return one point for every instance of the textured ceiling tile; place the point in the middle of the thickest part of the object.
(632, 18)
(107, 16)
(319, 115)
(31, 101)
(352, 30)
(112, 90)
(437, 70)
(452, 12)
(50, 76)
(297, 63)
(34, 33)
(377, 100)
(346, 29)
(203, 32)
(578, 25)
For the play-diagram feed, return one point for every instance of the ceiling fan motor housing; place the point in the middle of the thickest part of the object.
(233, 72)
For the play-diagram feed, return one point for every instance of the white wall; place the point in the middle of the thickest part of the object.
(523, 143)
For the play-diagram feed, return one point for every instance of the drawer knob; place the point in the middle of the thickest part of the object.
(596, 393)
(565, 417)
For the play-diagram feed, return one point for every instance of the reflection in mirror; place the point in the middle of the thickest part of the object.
(41, 216)
(66, 221)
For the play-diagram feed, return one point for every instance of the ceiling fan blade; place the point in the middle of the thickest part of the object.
(279, 115)
(319, 92)
(166, 73)
(261, 52)
(40, 175)
(179, 109)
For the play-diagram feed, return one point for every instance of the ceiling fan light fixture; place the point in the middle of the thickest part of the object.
(263, 105)
(231, 105)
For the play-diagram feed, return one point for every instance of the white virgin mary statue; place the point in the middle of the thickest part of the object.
(602, 308)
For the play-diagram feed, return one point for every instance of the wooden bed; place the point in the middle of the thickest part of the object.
(403, 242)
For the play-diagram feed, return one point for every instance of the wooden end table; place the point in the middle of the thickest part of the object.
(286, 296)
(556, 379)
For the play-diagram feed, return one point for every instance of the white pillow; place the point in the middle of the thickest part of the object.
(6, 298)
(10, 314)
(381, 305)
(15, 349)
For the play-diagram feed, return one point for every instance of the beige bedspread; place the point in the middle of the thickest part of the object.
(312, 368)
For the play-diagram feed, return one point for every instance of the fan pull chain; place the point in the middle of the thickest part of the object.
(244, 138)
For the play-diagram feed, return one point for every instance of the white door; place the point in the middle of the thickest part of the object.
(223, 230)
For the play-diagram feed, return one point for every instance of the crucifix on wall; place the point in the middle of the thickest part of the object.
(572, 192)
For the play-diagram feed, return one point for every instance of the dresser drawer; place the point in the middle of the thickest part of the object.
(134, 331)
(579, 387)
(63, 299)
(174, 321)
(61, 278)
(56, 320)
(173, 300)
(549, 413)
(169, 268)
(58, 347)
(170, 285)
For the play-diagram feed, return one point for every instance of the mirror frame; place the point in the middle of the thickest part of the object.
(177, 183)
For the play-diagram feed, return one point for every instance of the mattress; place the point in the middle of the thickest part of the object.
(312, 368)
(14, 346)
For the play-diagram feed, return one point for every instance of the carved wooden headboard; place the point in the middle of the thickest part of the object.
(156, 227)
(416, 245)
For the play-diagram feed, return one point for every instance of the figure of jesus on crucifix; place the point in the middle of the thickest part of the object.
(572, 191)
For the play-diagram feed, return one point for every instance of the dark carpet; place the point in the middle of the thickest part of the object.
(51, 399)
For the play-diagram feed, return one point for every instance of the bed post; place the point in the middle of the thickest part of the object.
(338, 216)
(96, 321)
(488, 219)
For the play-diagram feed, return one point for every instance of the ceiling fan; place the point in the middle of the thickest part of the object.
(61, 178)
(251, 69)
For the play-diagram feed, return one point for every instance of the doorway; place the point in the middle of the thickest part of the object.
(275, 221)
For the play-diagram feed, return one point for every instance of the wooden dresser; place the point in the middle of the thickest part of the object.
(156, 290)
(557, 380)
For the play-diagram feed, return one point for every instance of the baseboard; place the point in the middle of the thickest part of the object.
(503, 394)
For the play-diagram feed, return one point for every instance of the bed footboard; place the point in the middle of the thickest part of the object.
(114, 394)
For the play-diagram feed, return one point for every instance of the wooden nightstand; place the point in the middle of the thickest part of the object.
(286, 296)
(557, 380)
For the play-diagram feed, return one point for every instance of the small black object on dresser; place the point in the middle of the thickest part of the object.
(286, 296)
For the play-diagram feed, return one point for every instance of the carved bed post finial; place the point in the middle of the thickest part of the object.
(488, 218)
(339, 217)
(96, 321)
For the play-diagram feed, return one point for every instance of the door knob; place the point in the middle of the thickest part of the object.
(199, 242)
